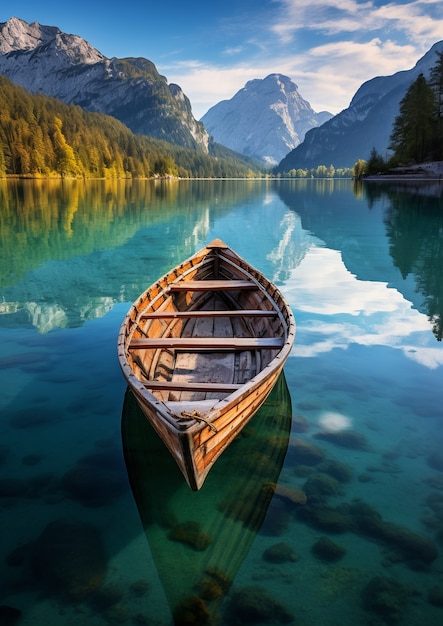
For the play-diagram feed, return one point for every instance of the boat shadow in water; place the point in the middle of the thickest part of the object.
(199, 540)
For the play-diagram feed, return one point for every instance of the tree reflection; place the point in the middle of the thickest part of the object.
(414, 226)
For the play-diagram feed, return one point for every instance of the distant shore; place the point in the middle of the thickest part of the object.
(421, 172)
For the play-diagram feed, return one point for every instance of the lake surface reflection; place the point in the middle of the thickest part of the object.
(328, 511)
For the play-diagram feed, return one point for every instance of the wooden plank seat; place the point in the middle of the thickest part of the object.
(212, 285)
(190, 386)
(219, 313)
(208, 343)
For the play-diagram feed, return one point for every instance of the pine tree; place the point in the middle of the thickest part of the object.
(436, 83)
(411, 138)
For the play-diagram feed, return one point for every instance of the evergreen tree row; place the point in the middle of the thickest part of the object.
(42, 137)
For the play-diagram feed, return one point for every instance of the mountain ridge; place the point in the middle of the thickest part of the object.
(43, 59)
(280, 121)
(365, 124)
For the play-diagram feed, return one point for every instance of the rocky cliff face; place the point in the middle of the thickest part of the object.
(264, 120)
(364, 125)
(42, 59)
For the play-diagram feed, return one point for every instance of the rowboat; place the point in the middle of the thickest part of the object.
(201, 349)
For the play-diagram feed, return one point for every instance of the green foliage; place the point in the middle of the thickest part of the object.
(376, 164)
(412, 132)
(436, 84)
(359, 169)
(42, 137)
(321, 171)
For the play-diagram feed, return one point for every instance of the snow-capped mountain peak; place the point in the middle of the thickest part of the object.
(266, 119)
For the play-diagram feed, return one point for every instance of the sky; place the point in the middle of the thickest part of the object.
(211, 49)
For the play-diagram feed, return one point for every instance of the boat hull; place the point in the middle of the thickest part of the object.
(201, 350)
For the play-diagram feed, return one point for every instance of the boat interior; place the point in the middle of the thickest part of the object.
(204, 330)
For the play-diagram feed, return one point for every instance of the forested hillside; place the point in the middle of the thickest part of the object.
(41, 136)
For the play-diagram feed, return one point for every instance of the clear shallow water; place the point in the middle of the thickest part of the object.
(84, 543)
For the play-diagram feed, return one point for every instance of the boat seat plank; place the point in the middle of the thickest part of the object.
(212, 285)
(190, 386)
(208, 343)
(222, 313)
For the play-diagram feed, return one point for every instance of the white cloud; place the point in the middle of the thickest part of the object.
(334, 310)
(328, 50)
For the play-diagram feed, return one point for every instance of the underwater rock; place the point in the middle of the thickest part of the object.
(251, 605)
(340, 471)
(278, 517)
(9, 615)
(292, 494)
(328, 550)
(321, 485)
(414, 548)
(304, 452)
(191, 534)
(191, 612)
(95, 480)
(249, 511)
(386, 597)
(69, 558)
(345, 439)
(140, 587)
(435, 460)
(302, 471)
(220, 577)
(280, 553)
(209, 589)
(300, 424)
(435, 596)
(325, 518)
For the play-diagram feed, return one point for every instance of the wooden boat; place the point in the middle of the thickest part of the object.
(201, 350)
(198, 541)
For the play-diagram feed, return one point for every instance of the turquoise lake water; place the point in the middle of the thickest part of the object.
(327, 511)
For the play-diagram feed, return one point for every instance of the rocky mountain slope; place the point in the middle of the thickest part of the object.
(43, 59)
(364, 125)
(264, 120)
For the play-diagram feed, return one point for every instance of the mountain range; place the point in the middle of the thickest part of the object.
(264, 120)
(268, 119)
(364, 125)
(43, 59)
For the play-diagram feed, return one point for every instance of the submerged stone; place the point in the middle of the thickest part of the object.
(292, 494)
(414, 548)
(191, 612)
(345, 439)
(303, 452)
(69, 558)
(321, 485)
(192, 534)
(300, 424)
(386, 597)
(328, 550)
(280, 553)
(253, 605)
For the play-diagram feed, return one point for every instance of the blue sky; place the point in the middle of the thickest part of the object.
(211, 50)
